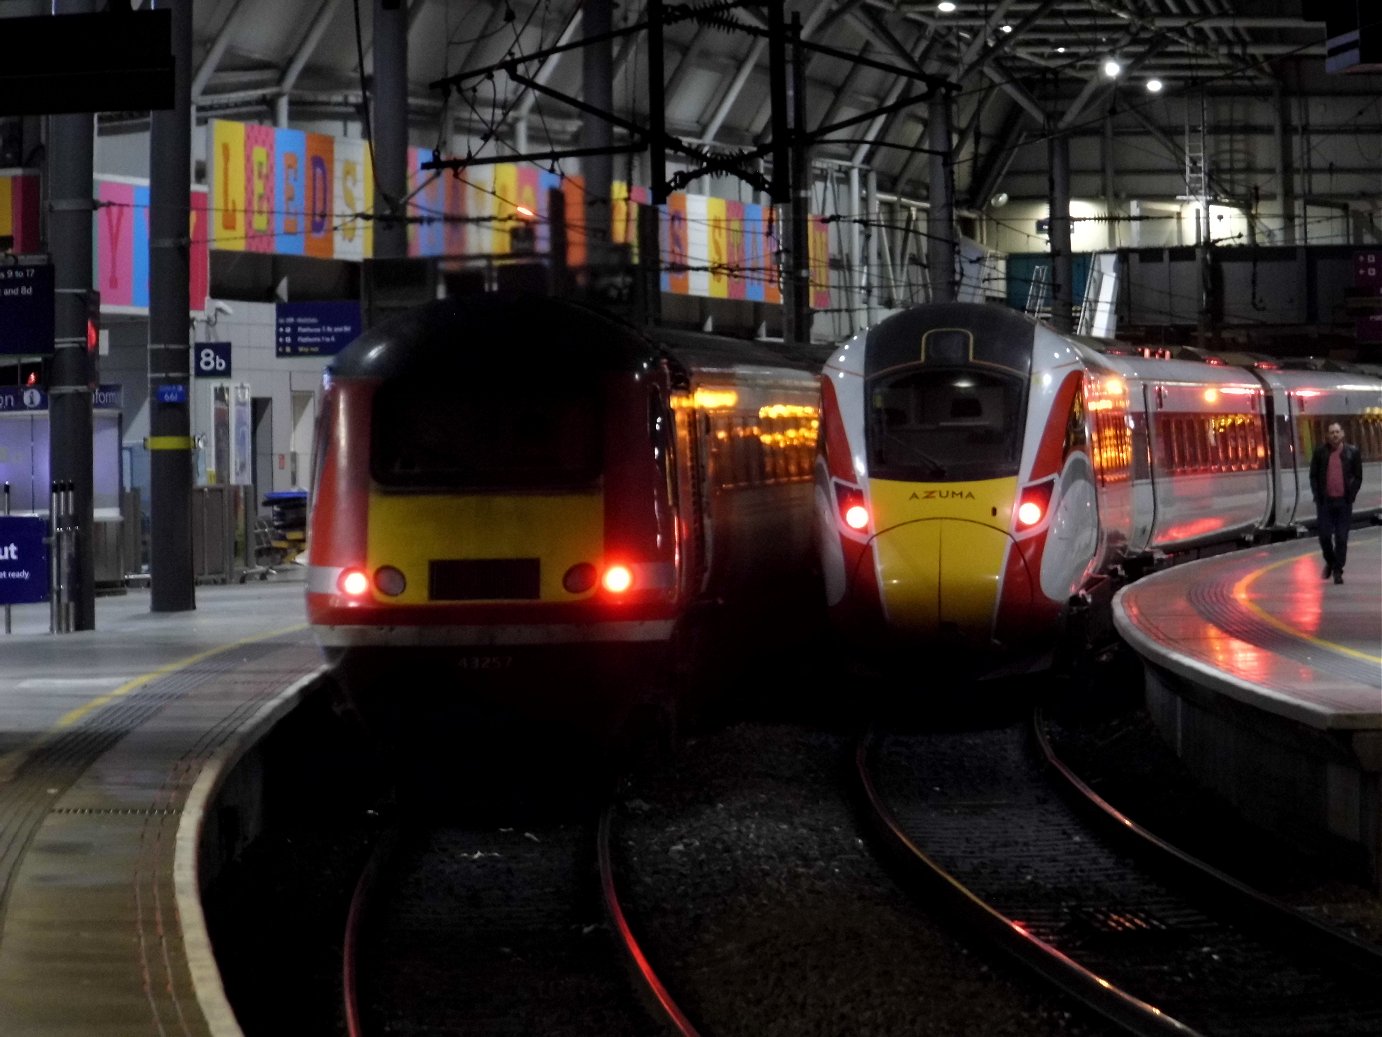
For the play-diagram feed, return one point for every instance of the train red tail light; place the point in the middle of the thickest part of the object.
(1034, 503)
(854, 510)
(353, 583)
(617, 579)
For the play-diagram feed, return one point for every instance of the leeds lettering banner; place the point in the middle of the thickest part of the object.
(296, 193)
(19, 209)
(122, 246)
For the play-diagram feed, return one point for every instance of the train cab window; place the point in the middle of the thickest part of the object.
(944, 424)
(533, 433)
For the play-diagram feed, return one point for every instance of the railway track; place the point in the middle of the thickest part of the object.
(1133, 927)
(498, 929)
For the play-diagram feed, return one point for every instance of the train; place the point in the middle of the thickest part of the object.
(985, 482)
(537, 504)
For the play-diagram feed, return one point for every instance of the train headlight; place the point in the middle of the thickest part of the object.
(353, 583)
(580, 578)
(390, 581)
(1033, 504)
(617, 579)
(857, 516)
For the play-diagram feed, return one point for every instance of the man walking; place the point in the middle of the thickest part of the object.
(1336, 473)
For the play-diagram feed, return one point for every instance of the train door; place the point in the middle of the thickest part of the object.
(1141, 406)
(690, 477)
(300, 448)
(1289, 482)
(262, 458)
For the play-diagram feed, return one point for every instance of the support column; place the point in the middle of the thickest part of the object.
(170, 441)
(941, 246)
(597, 85)
(872, 246)
(72, 372)
(800, 247)
(1285, 168)
(1110, 201)
(389, 128)
(1062, 262)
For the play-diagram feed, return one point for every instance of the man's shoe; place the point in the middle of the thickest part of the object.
(1338, 576)
(1328, 572)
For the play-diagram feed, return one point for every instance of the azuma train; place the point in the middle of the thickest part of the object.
(522, 497)
(984, 482)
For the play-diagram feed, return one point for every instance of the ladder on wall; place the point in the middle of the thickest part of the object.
(1038, 290)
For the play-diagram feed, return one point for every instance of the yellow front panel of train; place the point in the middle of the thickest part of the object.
(409, 531)
(940, 551)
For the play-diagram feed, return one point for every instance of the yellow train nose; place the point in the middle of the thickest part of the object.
(940, 577)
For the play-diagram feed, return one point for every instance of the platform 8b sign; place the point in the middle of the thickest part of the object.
(23, 560)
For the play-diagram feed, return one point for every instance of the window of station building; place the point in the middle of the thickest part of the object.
(533, 433)
(945, 424)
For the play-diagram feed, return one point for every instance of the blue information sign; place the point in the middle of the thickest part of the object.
(171, 393)
(18, 399)
(23, 560)
(26, 310)
(315, 328)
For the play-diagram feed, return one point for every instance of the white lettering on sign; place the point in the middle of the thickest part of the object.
(10, 553)
(208, 362)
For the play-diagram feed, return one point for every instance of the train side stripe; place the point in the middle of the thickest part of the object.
(1048, 456)
(836, 443)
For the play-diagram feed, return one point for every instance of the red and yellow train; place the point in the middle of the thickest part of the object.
(527, 499)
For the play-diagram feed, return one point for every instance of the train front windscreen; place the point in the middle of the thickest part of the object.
(928, 424)
(520, 434)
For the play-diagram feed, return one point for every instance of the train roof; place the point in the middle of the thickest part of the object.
(704, 350)
(499, 330)
(515, 330)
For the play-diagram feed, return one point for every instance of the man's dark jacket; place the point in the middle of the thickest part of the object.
(1351, 459)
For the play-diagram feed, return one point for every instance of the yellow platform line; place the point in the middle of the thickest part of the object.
(75, 716)
(1240, 595)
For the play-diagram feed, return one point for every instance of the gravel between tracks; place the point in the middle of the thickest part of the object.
(765, 913)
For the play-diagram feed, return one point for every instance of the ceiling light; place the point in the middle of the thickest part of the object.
(1060, 50)
(1005, 28)
(1154, 86)
(945, 6)
(1112, 69)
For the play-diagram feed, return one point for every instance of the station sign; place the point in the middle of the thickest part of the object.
(26, 310)
(23, 560)
(20, 399)
(315, 328)
(211, 359)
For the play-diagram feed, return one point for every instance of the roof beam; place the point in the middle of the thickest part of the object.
(217, 51)
(308, 45)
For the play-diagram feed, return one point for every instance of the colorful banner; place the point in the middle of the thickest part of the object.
(19, 209)
(296, 193)
(121, 235)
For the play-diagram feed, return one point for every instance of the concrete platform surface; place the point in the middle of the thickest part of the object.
(112, 742)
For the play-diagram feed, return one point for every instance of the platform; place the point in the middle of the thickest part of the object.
(1267, 681)
(111, 745)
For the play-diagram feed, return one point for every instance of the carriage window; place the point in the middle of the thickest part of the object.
(937, 425)
(527, 434)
